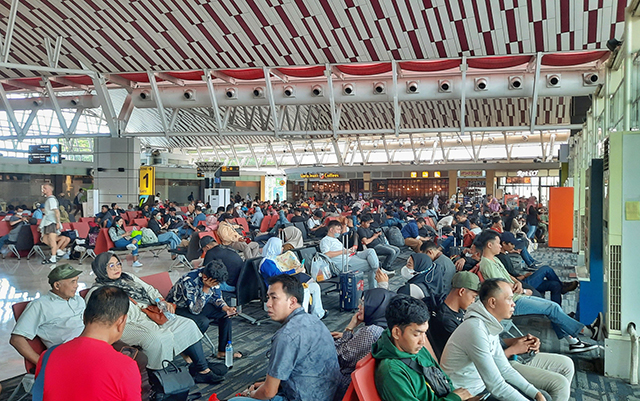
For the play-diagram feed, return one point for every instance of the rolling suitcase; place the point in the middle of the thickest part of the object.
(351, 284)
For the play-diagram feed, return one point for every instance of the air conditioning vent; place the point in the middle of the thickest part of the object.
(614, 260)
(605, 162)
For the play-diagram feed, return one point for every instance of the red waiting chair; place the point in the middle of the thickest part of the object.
(38, 346)
(363, 382)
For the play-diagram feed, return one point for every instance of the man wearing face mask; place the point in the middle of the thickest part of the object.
(365, 261)
(159, 228)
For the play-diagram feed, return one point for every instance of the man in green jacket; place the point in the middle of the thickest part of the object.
(401, 355)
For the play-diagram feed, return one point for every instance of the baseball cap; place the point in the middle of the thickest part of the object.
(508, 237)
(204, 241)
(63, 272)
(466, 280)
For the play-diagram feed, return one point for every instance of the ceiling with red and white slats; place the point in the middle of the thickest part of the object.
(161, 35)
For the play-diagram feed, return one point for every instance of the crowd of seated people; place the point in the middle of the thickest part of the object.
(309, 362)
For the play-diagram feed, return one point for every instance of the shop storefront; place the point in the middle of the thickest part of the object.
(421, 185)
(472, 183)
(321, 185)
(525, 183)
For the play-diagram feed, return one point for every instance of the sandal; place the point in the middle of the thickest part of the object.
(236, 355)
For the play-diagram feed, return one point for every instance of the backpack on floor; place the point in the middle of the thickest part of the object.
(394, 236)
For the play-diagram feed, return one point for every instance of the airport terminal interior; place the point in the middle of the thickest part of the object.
(273, 118)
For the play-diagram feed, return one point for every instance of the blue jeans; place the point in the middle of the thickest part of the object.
(532, 232)
(185, 232)
(276, 398)
(172, 237)
(524, 246)
(546, 279)
(122, 243)
(3, 240)
(367, 262)
(391, 252)
(196, 353)
(562, 324)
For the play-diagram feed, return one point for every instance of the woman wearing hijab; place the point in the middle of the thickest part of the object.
(292, 238)
(159, 342)
(269, 267)
(353, 346)
(256, 219)
(120, 239)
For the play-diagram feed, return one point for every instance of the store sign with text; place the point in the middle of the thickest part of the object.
(321, 176)
(528, 173)
(471, 173)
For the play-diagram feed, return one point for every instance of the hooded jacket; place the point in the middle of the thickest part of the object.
(474, 359)
(396, 381)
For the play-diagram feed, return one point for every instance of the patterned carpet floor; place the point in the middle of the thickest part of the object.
(589, 383)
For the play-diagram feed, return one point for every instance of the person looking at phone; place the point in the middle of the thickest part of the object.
(198, 297)
(473, 357)
(374, 239)
(348, 259)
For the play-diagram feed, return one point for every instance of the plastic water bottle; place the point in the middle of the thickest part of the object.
(228, 355)
(162, 305)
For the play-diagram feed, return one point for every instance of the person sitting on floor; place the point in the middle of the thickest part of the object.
(56, 317)
(355, 345)
(549, 372)
(403, 356)
(88, 367)
(564, 326)
(159, 342)
(303, 363)
(543, 279)
(198, 297)
(411, 234)
(121, 239)
(269, 267)
(473, 356)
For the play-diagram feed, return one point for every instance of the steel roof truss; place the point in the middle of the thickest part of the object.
(9, 32)
(158, 100)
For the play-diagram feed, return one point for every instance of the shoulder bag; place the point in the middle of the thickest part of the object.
(170, 383)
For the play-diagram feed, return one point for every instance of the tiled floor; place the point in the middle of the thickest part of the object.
(26, 280)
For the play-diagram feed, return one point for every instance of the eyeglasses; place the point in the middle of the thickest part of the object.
(114, 266)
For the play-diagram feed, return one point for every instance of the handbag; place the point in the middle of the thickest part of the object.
(170, 383)
(154, 313)
(434, 377)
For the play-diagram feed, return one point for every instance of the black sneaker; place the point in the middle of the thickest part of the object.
(581, 347)
(598, 328)
(218, 369)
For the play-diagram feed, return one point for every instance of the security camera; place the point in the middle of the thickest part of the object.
(553, 80)
(590, 78)
(288, 91)
(145, 95)
(481, 84)
(37, 102)
(189, 94)
(515, 82)
(412, 87)
(316, 90)
(231, 93)
(258, 92)
(444, 85)
(378, 88)
(348, 89)
(75, 101)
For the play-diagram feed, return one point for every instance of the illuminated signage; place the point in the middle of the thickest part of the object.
(425, 174)
(528, 173)
(436, 174)
(414, 174)
(322, 176)
(470, 173)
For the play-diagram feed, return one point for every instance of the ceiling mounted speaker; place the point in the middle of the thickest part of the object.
(145, 95)
(379, 88)
(316, 90)
(481, 84)
(231, 93)
(348, 89)
(189, 94)
(289, 92)
(444, 86)
(590, 78)
(412, 87)
(258, 92)
(515, 82)
(553, 80)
